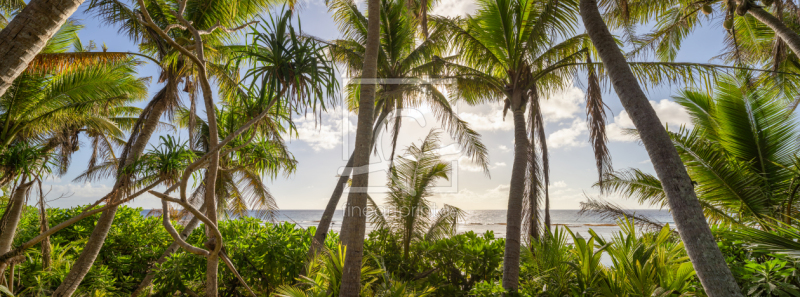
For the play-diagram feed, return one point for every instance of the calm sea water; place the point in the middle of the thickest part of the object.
(481, 221)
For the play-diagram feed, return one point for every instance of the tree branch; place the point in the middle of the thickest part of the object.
(174, 233)
(223, 29)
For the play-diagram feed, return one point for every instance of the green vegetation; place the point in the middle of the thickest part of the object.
(731, 180)
(271, 259)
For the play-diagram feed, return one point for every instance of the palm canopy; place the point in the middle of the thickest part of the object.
(412, 178)
(52, 102)
(204, 15)
(404, 61)
(741, 153)
(747, 42)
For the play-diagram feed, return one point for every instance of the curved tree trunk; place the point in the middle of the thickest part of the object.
(172, 248)
(28, 33)
(355, 219)
(98, 236)
(325, 222)
(791, 38)
(688, 215)
(10, 220)
(515, 197)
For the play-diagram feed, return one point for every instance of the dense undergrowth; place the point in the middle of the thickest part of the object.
(272, 259)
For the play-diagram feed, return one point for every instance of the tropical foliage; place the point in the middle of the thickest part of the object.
(254, 70)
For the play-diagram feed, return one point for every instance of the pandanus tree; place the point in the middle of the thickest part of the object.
(410, 212)
(287, 74)
(256, 155)
(687, 212)
(170, 33)
(240, 188)
(403, 65)
(741, 152)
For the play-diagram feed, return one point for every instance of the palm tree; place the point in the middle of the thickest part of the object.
(741, 154)
(410, 183)
(49, 97)
(287, 74)
(28, 33)
(50, 104)
(354, 224)
(686, 210)
(506, 54)
(403, 58)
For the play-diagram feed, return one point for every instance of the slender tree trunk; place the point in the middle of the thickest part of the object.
(688, 215)
(84, 262)
(533, 210)
(789, 36)
(330, 209)
(11, 217)
(355, 220)
(212, 266)
(547, 209)
(212, 260)
(423, 18)
(28, 33)
(11, 283)
(515, 197)
(172, 248)
(44, 225)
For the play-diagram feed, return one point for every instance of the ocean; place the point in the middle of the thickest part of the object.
(481, 221)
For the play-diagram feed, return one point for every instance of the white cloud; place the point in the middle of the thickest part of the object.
(570, 136)
(559, 184)
(503, 148)
(563, 105)
(499, 164)
(453, 8)
(491, 121)
(669, 112)
(75, 194)
(319, 134)
(466, 164)
(494, 198)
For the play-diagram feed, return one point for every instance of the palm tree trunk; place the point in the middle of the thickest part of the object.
(330, 209)
(44, 225)
(547, 209)
(103, 225)
(423, 18)
(791, 38)
(515, 197)
(355, 219)
(10, 220)
(172, 248)
(533, 210)
(686, 211)
(28, 33)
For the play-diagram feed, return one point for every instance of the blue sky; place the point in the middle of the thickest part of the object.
(321, 147)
